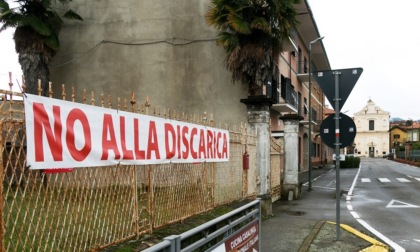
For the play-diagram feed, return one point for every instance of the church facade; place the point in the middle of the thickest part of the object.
(372, 137)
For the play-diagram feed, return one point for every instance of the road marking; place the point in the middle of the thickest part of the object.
(403, 180)
(355, 215)
(384, 180)
(395, 246)
(417, 179)
(364, 180)
(400, 204)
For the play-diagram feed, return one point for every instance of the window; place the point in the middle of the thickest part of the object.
(397, 136)
(371, 125)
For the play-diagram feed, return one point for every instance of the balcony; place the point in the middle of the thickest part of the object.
(303, 70)
(287, 100)
(316, 128)
(315, 121)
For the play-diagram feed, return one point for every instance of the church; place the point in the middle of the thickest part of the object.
(372, 127)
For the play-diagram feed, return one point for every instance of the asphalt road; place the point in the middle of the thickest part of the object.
(386, 200)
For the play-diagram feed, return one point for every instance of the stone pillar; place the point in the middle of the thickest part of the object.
(291, 157)
(259, 120)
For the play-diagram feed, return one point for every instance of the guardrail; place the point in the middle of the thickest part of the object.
(229, 232)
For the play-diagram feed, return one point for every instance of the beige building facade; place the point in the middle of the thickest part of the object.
(167, 52)
(372, 137)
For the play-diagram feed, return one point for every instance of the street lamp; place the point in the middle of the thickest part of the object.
(310, 115)
(412, 139)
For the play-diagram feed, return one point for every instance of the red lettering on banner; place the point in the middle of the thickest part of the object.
(41, 121)
(78, 115)
(127, 154)
(215, 144)
(140, 154)
(178, 140)
(185, 142)
(152, 143)
(219, 154)
(111, 143)
(202, 145)
(193, 152)
(209, 144)
(170, 145)
(225, 153)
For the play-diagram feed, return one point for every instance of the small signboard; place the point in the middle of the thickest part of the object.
(245, 240)
(342, 157)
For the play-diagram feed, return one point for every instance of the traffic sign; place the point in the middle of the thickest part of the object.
(348, 78)
(347, 131)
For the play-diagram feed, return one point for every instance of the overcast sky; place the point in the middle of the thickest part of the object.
(383, 38)
(380, 36)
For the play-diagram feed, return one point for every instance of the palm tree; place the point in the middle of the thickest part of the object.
(37, 26)
(252, 33)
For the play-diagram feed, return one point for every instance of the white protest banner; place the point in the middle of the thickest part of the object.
(62, 134)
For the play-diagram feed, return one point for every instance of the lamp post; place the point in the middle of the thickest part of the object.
(310, 116)
(410, 122)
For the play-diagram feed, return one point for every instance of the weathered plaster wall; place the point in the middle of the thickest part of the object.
(163, 49)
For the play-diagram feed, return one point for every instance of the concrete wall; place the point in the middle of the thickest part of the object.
(163, 49)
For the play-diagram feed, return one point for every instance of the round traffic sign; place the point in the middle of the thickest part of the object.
(347, 131)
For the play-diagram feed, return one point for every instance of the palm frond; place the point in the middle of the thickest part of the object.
(70, 14)
(10, 19)
(228, 40)
(252, 33)
(37, 25)
(260, 23)
(52, 42)
(238, 24)
(4, 6)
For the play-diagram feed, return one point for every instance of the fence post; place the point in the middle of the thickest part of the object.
(1, 192)
(151, 214)
(135, 202)
(175, 241)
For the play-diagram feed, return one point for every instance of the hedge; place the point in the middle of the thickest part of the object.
(350, 162)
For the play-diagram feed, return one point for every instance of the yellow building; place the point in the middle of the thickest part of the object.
(397, 137)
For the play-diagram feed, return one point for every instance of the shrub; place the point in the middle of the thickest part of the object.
(350, 162)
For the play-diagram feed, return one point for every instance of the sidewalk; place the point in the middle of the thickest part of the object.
(308, 225)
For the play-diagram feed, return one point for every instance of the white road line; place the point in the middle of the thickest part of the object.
(403, 180)
(365, 180)
(396, 247)
(355, 215)
(349, 206)
(417, 179)
(384, 180)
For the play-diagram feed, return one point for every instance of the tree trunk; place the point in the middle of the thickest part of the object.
(34, 67)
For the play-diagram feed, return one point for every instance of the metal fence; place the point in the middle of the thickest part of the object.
(242, 222)
(408, 154)
(84, 209)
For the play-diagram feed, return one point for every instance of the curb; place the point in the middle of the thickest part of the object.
(377, 246)
(309, 239)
